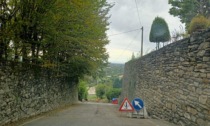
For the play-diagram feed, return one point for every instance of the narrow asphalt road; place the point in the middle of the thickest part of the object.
(93, 114)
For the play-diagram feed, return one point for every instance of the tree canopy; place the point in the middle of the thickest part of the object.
(67, 36)
(159, 31)
(100, 90)
(187, 9)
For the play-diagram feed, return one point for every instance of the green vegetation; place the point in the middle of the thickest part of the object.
(92, 97)
(67, 37)
(159, 31)
(117, 83)
(199, 22)
(114, 69)
(106, 75)
(109, 92)
(100, 90)
(107, 86)
(113, 93)
(82, 91)
(186, 10)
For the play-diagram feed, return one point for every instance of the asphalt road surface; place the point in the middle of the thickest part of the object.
(93, 114)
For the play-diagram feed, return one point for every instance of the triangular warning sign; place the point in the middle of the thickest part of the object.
(126, 106)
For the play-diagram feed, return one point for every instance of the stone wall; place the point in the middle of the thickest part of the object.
(27, 93)
(174, 82)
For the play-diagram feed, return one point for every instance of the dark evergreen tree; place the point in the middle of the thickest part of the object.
(117, 83)
(159, 31)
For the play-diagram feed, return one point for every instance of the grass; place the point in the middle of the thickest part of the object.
(93, 98)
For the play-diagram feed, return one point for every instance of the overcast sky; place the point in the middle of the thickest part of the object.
(124, 17)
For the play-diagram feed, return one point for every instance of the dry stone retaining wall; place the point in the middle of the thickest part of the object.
(27, 93)
(174, 82)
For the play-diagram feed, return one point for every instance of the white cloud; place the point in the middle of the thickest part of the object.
(124, 17)
(119, 55)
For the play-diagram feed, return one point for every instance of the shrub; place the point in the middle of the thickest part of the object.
(199, 22)
(82, 91)
(100, 90)
(113, 93)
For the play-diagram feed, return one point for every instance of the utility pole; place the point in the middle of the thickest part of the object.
(142, 30)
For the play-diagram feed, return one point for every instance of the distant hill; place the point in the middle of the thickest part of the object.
(110, 73)
(114, 69)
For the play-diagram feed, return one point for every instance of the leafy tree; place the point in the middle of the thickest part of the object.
(187, 9)
(8, 11)
(67, 37)
(117, 83)
(100, 90)
(82, 90)
(113, 93)
(159, 31)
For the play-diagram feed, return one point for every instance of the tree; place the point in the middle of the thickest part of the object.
(117, 83)
(68, 37)
(8, 11)
(187, 9)
(159, 31)
(100, 90)
(113, 93)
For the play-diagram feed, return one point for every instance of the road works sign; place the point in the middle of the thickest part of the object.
(137, 104)
(126, 106)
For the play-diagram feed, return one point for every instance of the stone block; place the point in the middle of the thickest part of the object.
(203, 99)
(183, 97)
(208, 103)
(183, 108)
(206, 59)
(196, 84)
(199, 91)
(204, 45)
(206, 91)
(208, 117)
(192, 38)
(191, 87)
(174, 107)
(187, 115)
(195, 74)
(181, 59)
(1, 91)
(203, 75)
(193, 118)
(181, 123)
(191, 110)
(206, 81)
(169, 105)
(185, 63)
(201, 53)
(200, 122)
(180, 91)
